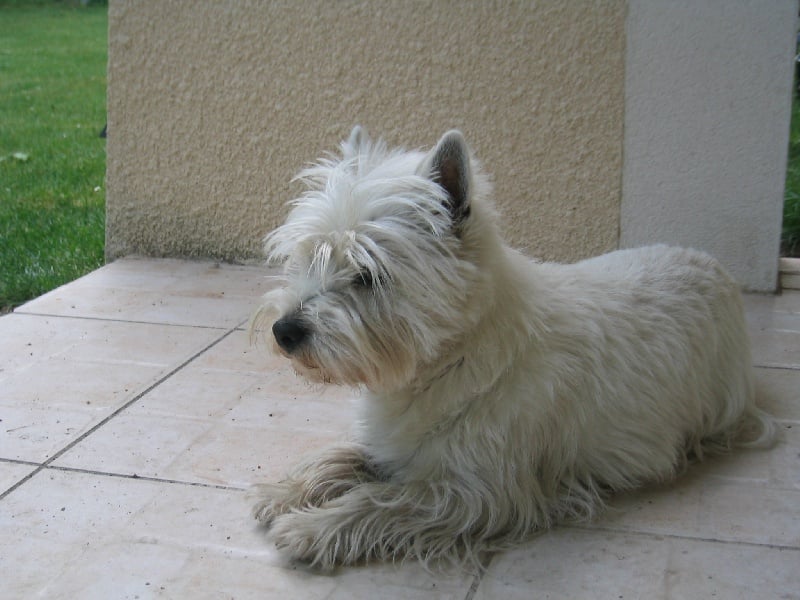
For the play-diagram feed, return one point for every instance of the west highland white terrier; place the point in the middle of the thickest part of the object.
(500, 395)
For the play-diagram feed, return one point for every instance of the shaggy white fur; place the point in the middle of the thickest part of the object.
(501, 395)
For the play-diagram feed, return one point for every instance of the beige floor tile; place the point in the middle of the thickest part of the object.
(236, 415)
(211, 424)
(238, 353)
(574, 564)
(36, 435)
(11, 473)
(142, 446)
(29, 339)
(700, 506)
(247, 577)
(777, 468)
(195, 393)
(194, 451)
(778, 392)
(763, 320)
(774, 323)
(176, 292)
(779, 349)
(788, 301)
(242, 457)
(66, 375)
(757, 305)
(67, 528)
(239, 445)
(97, 537)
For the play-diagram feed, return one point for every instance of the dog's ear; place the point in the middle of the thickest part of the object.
(358, 138)
(448, 164)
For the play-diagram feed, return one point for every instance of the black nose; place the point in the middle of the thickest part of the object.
(289, 332)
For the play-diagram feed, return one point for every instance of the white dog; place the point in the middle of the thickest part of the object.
(501, 395)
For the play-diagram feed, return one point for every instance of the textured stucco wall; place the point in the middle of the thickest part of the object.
(707, 108)
(214, 106)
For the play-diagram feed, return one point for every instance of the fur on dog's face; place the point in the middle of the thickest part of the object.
(376, 279)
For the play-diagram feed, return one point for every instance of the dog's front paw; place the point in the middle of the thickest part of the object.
(304, 537)
(273, 499)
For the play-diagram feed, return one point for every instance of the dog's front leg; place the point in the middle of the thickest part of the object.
(384, 521)
(313, 483)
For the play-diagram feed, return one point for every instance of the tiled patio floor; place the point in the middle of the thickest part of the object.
(134, 412)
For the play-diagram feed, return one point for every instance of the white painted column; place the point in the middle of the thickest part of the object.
(707, 109)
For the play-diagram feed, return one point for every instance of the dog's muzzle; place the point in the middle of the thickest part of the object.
(290, 333)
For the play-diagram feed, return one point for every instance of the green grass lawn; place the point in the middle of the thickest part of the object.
(52, 160)
(790, 240)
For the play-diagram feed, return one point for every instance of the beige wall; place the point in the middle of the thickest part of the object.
(214, 106)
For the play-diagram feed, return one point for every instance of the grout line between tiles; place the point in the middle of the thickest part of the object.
(116, 412)
(215, 486)
(111, 320)
(777, 366)
(689, 538)
(15, 461)
(478, 578)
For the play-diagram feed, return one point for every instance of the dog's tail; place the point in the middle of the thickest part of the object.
(754, 428)
(757, 429)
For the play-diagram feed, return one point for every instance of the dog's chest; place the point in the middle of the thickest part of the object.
(410, 431)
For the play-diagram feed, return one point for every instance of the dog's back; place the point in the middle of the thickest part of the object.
(666, 359)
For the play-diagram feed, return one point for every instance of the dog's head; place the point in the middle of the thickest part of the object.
(377, 263)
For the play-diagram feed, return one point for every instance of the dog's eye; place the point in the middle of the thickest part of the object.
(363, 279)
